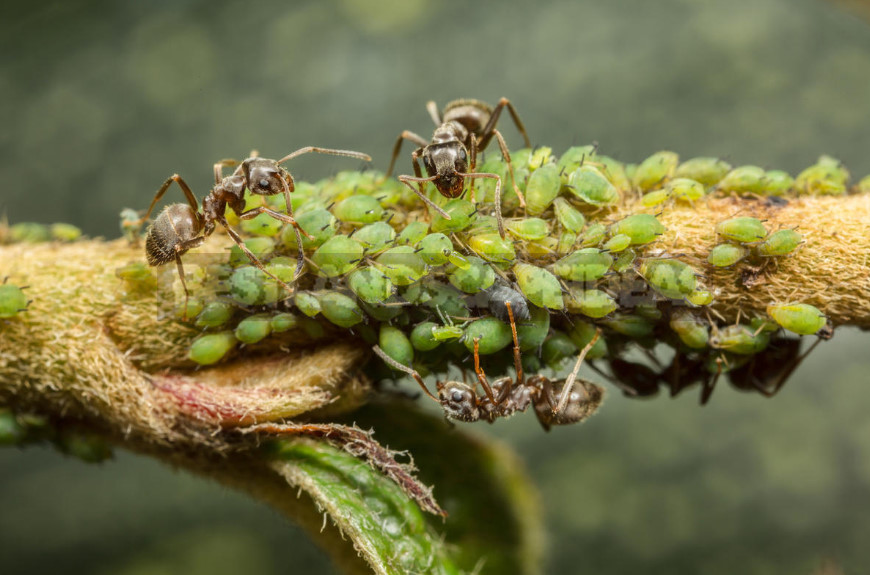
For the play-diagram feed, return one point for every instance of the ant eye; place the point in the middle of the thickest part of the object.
(457, 396)
(264, 183)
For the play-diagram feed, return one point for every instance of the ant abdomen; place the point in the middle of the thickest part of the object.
(176, 224)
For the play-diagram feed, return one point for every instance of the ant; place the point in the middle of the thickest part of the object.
(555, 403)
(181, 227)
(464, 124)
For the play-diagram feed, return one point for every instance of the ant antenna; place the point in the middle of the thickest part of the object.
(404, 368)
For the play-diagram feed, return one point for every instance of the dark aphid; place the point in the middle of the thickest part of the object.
(464, 125)
(500, 296)
(181, 227)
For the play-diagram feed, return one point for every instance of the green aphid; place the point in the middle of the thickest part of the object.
(65, 232)
(358, 210)
(422, 337)
(447, 332)
(557, 349)
(88, 447)
(671, 278)
(591, 186)
(483, 225)
(641, 228)
(593, 303)
(542, 188)
(799, 318)
(458, 260)
(12, 432)
(655, 198)
(594, 235)
(542, 248)
(725, 362)
(214, 314)
(337, 256)
(744, 180)
(629, 325)
(692, 330)
(624, 260)
(12, 301)
(340, 309)
(285, 321)
(566, 243)
(318, 223)
(250, 286)
(614, 171)
(863, 187)
(402, 265)
(777, 183)
(283, 268)
(780, 243)
(210, 348)
(529, 229)
(763, 324)
(725, 255)
(375, 237)
(574, 157)
(130, 225)
(706, 171)
(568, 216)
(617, 243)
(439, 297)
(384, 313)
(261, 247)
(485, 188)
(685, 190)
(584, 265)
(478, 276)
(532, 332)
(435, 249)
(494, 335)
(262, 225)
(520, 158)
(654, 171)
(314, 330)
(700, 297)
(540, 157)
(539, 286)
(370, 285)
(187, 309)
(743, 229)
(29, 232)
(137, 277)
(253, 329)
(648, 310)
(493, 248)
(740, 339)
(828, 177)
(462, 214)
(412, 234)
(307, 303)
(396, 344)
(581, 333)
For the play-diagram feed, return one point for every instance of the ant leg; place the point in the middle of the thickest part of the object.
(404, 368)
(219, 168)
(472, 166)
(407, 181)
(432, 108)
(191, 199)
(787, 373)
(406, 135)
(493, 120)
(251, 255)
(328, 151)
(181, 248)
(300, 260)
(518, 364)
(569, 383)
(497, 179)
(507, 158)
(481, 376)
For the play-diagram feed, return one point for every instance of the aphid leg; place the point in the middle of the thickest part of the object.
(432, 108)
(191, 199)
(328, 151)
(493, 120)
(407, 181)
(219, 168)
(481, 376)
(404, 368)
(252, 256)
(710, 382)
(507, 158)
(397, 147)
(181, 248)
(569, 383)
(497, 179)
(518, 363)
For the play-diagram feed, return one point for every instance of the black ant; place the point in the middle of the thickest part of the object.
(555, 403)
(181, 227)
(464, 124)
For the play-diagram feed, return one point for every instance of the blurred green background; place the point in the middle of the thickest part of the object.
(103, 100)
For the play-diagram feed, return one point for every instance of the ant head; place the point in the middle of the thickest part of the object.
(447, 161)
(459, 400)
(264, 177)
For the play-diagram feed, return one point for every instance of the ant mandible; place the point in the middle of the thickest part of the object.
(465, 124)
(181, 227)
(555, 403)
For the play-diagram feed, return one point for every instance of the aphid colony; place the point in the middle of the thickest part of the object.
(560, 277)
